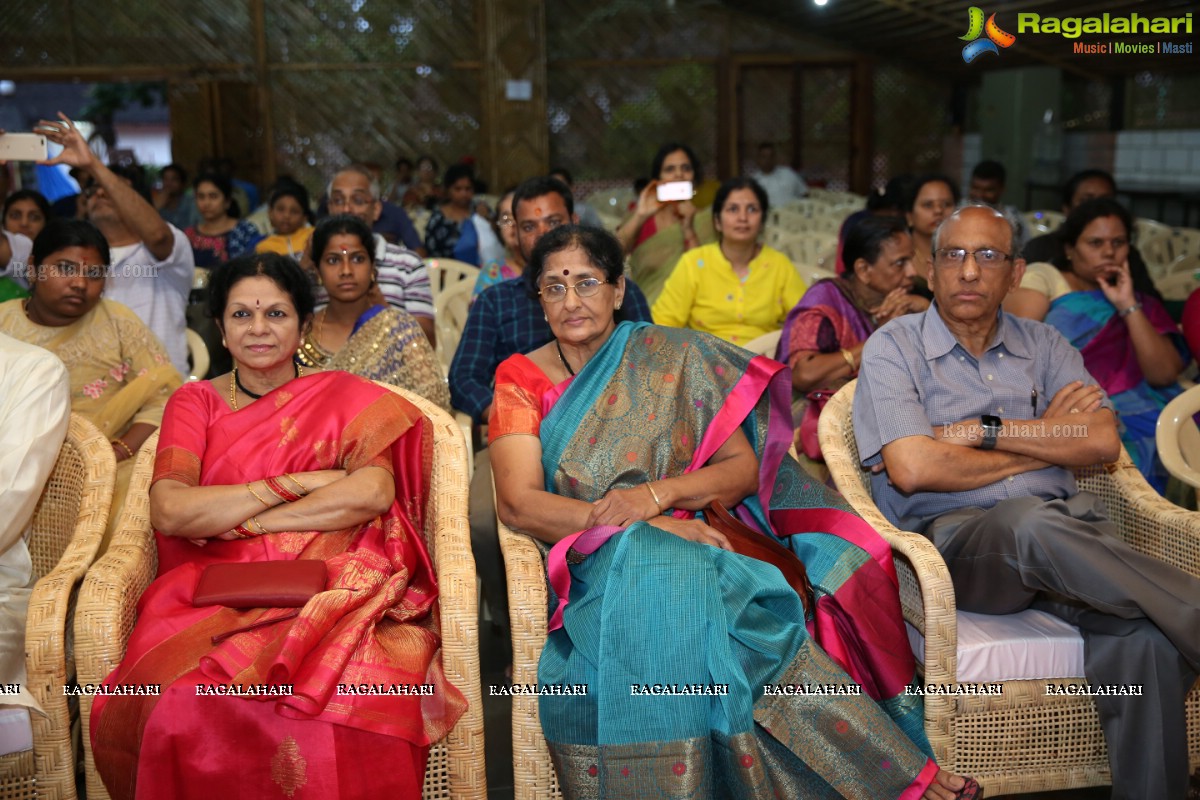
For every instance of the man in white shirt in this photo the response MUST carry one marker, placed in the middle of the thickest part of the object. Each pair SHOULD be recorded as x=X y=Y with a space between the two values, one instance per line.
x=783 y=184
x=35 y=406
x=152 y=262
x=14 y=253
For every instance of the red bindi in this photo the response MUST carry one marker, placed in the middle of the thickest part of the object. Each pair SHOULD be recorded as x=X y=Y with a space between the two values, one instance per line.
x=566 y=272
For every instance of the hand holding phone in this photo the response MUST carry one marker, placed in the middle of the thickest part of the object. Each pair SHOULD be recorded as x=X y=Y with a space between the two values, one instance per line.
x=22 y=147
x=674 y=191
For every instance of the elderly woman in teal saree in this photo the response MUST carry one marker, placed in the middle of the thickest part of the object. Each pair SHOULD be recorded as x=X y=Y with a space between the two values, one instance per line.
x=688 y=649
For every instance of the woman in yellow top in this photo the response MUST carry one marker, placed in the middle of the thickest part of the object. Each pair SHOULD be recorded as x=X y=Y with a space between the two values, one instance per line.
x=120 y=374
x=736 y=288
x=290 y=219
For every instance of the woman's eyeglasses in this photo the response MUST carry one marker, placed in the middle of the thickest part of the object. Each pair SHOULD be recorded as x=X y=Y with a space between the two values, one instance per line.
x=557 y=292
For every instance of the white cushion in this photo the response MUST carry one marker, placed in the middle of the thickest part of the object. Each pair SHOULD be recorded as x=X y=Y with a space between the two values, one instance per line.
x=16 y=734
x=1029 y=645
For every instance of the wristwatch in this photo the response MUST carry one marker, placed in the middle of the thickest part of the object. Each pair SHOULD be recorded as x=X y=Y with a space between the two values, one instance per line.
x=991 y=430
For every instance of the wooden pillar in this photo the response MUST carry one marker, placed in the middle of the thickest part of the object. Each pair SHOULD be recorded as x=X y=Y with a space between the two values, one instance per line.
x=266 y=117
x=862 y=120
x=514 y=133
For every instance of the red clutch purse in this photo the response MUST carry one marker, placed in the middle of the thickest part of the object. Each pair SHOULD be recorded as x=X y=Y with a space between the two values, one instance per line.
x=263 y=584
x=748 y=542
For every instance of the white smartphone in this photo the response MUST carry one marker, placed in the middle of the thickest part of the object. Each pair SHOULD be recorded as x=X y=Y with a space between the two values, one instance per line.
x=674 y=190
x=23 y=147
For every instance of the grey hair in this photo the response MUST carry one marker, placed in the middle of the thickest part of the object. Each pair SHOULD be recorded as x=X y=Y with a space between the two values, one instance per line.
x=1012 y=228
x=360 y=170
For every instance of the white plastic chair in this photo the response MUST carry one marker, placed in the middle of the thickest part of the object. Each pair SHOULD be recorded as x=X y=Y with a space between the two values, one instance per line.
x=1039 y=222
x=446 y=272
x=197 y=355
x=764 y=345
x=1178 y=438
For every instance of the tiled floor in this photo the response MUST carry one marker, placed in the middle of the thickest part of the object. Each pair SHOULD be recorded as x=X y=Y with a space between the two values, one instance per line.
x=495 y=654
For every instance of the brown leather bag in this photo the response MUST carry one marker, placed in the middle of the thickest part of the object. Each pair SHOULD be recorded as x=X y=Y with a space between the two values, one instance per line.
x=260 y=584
x=748 y=542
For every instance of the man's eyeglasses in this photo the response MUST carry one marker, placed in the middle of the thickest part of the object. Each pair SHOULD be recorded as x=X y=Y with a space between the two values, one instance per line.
x=957 y=256
x=354 y=200
x=557 y=292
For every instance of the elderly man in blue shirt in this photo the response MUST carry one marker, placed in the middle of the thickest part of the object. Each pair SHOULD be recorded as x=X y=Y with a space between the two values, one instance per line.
x=970 y=420
x=504 y=320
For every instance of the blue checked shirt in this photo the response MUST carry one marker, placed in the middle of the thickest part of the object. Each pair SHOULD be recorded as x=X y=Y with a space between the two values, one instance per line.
x=915 y=375
x=504 y=320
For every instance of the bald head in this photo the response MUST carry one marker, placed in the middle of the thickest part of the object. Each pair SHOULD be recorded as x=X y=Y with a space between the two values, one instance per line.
x=980 y=212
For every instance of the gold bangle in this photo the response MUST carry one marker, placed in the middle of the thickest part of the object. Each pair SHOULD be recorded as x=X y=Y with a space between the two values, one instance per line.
x=292 y=478
x=267 y=484
x=654 y=494
x=846 y=354
x=259 y=497
x=261 y=530
x=121 y=442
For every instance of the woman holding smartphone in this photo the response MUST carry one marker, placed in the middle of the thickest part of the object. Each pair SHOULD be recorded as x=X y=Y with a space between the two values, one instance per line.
x=664 y=223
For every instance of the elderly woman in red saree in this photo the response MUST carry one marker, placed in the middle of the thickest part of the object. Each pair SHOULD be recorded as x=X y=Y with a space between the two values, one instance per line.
x=259 y=466
x=823 y=336
x=605 y=443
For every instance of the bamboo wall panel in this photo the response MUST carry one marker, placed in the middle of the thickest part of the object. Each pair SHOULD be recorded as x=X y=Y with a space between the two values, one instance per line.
x=610 y=122
x=329 y=118
x=318 y=31
x=911 y=123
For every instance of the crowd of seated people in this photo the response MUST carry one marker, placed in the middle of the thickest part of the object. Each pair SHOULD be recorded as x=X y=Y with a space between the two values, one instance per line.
x=621 y=407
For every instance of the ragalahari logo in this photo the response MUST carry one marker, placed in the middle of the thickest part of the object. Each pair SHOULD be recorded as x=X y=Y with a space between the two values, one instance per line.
x=976 y=28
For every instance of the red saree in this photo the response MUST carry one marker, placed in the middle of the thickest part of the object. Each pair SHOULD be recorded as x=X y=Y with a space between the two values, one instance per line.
x=375 y=624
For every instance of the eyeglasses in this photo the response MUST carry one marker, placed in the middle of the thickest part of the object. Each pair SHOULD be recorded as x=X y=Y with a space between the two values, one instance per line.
x=557 y=292
x=90 y=190
x=355 y=200
x=505 y=221
x=957 y=256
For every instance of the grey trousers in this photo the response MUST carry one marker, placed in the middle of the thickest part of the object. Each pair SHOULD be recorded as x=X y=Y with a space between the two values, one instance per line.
x=1139 y=617
x=485 y=539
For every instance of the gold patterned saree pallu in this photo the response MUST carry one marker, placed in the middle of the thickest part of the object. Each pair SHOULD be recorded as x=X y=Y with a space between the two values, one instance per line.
x=256 y=703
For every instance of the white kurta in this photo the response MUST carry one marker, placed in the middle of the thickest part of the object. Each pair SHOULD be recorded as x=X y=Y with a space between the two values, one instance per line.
x=35 y=407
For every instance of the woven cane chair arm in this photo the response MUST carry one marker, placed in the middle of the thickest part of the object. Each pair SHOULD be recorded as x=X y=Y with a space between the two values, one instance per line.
x=533 y=771
x=1147 y=521
x=926 y=592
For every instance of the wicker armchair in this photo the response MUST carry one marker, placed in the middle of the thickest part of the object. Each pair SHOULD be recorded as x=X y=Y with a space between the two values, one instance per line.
x=68 y=524
x=534 y=777
x=108 y=606
x=1022 y=740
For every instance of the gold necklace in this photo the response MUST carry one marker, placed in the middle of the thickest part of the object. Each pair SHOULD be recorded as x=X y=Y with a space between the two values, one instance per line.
x=233 y=385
